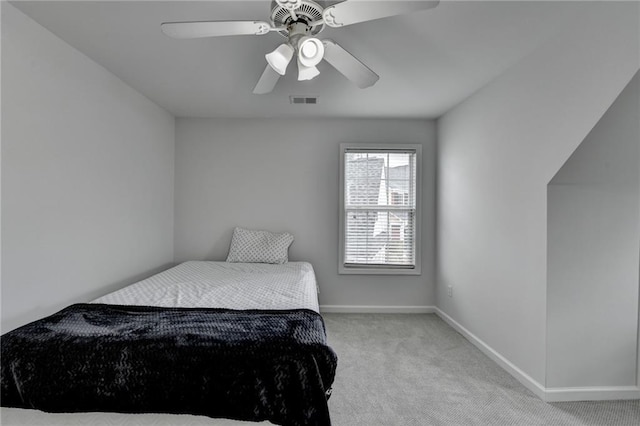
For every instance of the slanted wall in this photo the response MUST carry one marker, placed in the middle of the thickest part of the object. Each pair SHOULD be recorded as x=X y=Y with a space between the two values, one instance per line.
x=593 y=251
x=497 y=151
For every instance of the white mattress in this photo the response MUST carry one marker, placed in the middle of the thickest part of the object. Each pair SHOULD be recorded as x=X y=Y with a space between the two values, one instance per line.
x=224 y=285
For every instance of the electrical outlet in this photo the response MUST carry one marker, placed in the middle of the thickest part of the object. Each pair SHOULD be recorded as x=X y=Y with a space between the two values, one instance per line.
x=450 y=291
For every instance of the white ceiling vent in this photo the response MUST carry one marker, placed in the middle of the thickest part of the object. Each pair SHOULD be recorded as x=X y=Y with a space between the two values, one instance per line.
x=299 y=100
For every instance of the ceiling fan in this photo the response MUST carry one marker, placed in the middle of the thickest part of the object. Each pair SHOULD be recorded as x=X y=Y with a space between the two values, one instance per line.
x=299 y=21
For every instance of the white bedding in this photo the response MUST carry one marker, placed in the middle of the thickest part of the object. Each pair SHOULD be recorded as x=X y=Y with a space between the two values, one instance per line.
x=224 y=285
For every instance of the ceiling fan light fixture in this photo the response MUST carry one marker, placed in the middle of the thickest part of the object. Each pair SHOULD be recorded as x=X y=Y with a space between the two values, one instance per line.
x=305 y=72
x=310 y=51
x=300 y=21
x=279 y=59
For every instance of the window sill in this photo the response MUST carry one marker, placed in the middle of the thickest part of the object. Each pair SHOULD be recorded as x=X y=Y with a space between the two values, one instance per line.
x=345 y=270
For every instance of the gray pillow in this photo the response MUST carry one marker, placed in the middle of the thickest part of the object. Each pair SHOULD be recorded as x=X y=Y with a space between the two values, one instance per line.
x=250 y=246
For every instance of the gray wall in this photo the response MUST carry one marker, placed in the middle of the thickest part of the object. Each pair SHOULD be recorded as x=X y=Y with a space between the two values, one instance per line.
x=497 y=152
x=283 y=175
x=593 y=251
x=87 y=176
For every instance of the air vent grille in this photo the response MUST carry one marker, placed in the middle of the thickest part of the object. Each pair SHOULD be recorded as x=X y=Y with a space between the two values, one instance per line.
x=303 y=100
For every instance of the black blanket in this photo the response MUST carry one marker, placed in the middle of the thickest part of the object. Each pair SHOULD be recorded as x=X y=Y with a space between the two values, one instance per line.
x=247 y=365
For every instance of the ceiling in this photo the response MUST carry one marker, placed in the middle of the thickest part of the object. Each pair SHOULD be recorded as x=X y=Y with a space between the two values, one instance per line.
x=427 y=62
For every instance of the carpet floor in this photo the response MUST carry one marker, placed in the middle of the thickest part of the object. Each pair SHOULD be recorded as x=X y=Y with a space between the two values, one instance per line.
x=416 y=370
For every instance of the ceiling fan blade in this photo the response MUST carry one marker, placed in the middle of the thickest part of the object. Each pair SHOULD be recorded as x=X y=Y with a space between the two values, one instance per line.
x=353 y=11
x=349 y=65
x=214 y=28
x=267 y=81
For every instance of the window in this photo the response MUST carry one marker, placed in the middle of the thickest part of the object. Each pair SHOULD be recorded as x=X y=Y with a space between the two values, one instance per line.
x=379 y=209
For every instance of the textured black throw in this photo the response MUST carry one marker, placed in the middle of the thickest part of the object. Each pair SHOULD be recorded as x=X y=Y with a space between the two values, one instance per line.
x=248 y=365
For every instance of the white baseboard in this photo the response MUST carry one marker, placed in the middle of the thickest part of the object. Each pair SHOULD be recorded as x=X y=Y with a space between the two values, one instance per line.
x=364 y=309
x=595 y=393
x=520 y=375
x=603 y=393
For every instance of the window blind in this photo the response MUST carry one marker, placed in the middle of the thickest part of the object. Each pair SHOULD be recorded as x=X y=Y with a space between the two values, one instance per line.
x=379 y=208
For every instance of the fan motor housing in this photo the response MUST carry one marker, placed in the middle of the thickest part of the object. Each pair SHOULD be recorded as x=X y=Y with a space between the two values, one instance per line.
x=308 y=12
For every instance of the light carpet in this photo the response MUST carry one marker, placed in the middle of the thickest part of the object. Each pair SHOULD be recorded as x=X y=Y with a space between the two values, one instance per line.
x=396 y=369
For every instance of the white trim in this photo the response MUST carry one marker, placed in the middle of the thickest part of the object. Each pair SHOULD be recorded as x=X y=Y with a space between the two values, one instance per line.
x=520 y=375
x=595 y=393
x=638 y=334
x=363 y=270
x=364 y=309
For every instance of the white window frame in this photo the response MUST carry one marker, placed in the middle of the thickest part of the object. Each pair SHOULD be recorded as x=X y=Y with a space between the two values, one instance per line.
x=381 y=270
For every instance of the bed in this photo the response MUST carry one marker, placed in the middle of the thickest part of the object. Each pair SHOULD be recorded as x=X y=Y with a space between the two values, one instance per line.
x=241 y=341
